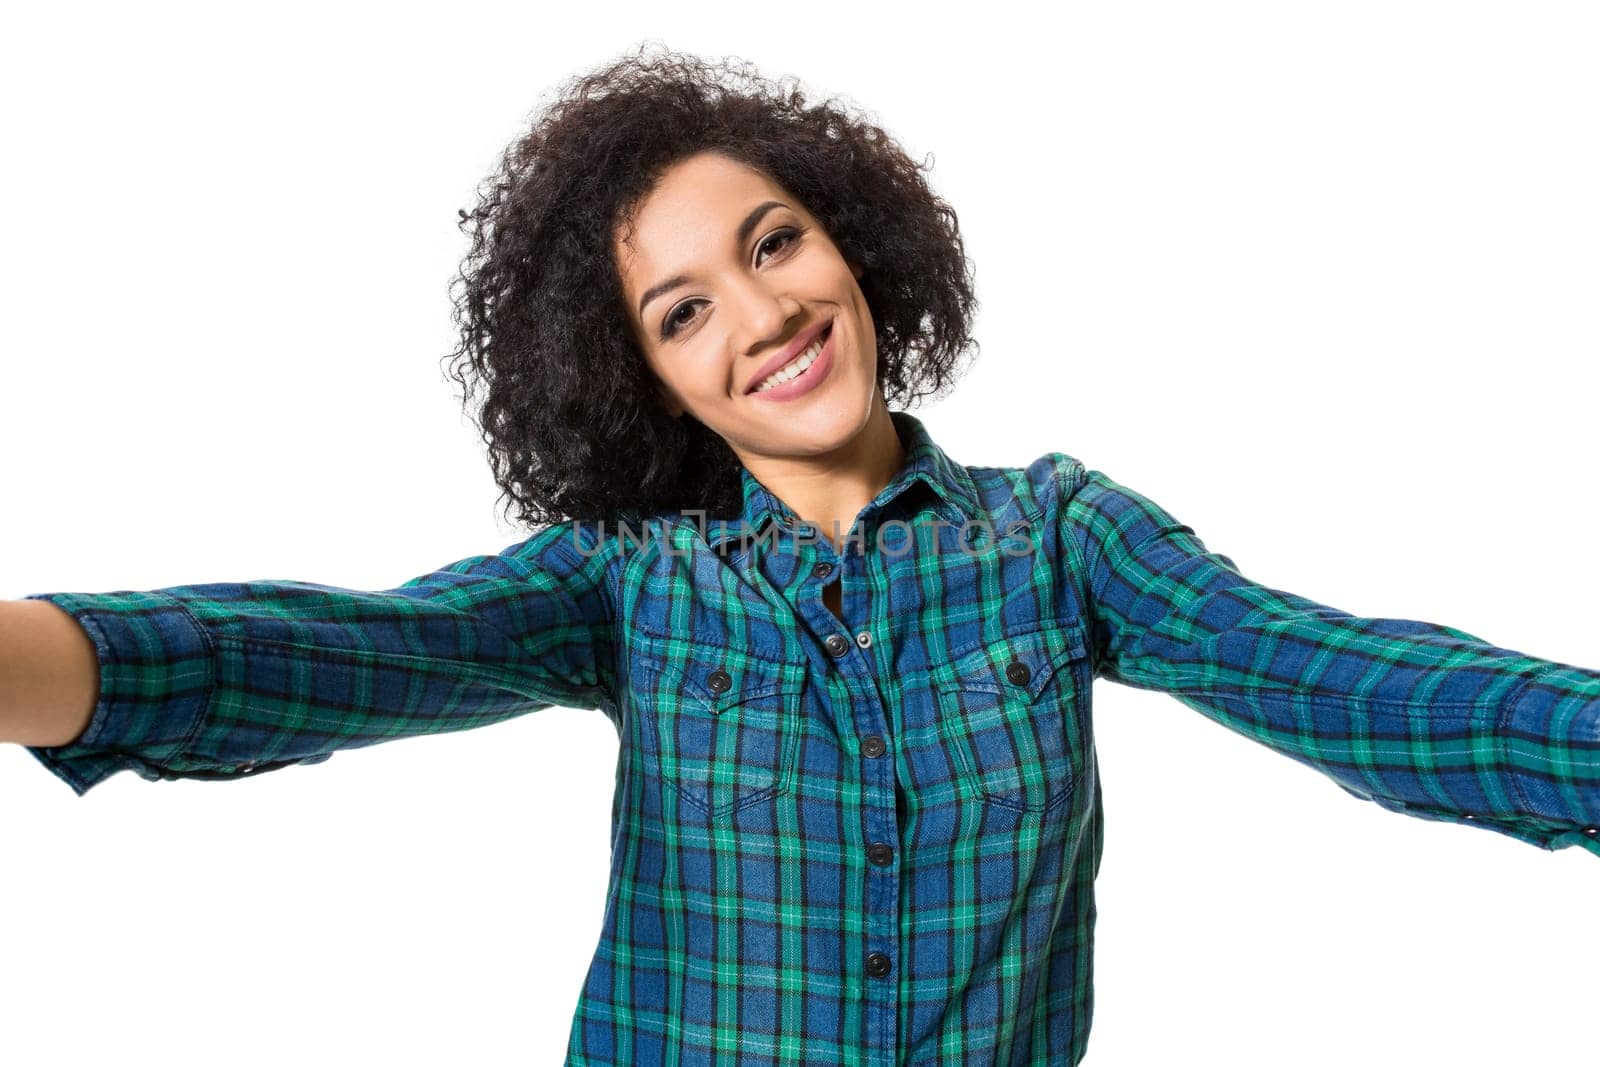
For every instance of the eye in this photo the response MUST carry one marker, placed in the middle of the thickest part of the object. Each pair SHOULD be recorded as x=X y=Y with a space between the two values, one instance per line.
x=786 y=237
x=674 y=321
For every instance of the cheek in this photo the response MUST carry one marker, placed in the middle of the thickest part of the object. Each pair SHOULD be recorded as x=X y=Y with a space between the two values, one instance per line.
x=865 y=333
x=694 y=378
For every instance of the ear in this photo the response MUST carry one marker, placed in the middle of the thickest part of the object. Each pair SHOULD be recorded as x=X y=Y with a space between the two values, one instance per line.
x=669 y=403
x=857 y=270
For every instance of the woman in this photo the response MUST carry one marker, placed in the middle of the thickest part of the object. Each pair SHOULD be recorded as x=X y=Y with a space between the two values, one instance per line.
x=857 y=809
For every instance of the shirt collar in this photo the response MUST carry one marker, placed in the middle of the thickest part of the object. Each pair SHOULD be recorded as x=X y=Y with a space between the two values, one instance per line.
x=925 y=463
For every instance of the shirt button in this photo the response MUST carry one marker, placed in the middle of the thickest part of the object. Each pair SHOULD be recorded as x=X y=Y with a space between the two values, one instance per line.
x=864 y=639
x=1017 y=671
x=877 y=964
x=719 y=681
x=821 y=570
x=880 y=853
x=872 y=747
x=836 y=645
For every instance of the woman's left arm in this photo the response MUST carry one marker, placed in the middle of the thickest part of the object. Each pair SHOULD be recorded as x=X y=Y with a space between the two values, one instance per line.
x=1419 y=718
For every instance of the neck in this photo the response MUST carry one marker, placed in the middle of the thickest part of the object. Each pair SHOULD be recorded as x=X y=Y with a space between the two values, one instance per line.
x=828 y=491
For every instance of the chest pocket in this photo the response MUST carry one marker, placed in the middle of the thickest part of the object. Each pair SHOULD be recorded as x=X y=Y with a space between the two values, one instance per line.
x=720 y=726
x=1012 y=714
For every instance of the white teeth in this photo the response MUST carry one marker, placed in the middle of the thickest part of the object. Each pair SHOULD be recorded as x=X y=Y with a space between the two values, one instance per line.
x=794 y=368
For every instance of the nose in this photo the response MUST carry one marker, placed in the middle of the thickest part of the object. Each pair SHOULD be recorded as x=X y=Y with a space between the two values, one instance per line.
x=762 y=313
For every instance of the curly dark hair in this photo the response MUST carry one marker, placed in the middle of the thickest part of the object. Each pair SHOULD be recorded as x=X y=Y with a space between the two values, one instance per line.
x=570 y=414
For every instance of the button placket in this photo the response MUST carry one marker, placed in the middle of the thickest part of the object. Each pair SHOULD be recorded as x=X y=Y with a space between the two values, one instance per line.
x=872 y=746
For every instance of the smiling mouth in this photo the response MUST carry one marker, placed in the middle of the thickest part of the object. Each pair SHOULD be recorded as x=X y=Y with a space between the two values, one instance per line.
x=798 y=365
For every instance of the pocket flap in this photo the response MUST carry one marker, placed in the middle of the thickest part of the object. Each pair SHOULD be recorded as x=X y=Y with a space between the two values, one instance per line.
x=988 y=668
x=717 y=676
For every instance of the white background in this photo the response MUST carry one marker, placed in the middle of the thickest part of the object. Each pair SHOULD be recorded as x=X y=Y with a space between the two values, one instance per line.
x=1321 y=279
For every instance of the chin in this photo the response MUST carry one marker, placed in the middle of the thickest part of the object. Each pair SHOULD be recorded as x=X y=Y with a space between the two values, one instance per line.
x=827 y=426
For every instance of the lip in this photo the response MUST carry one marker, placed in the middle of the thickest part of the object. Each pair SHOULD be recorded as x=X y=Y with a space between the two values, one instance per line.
x=795 y=347
x=811 y=378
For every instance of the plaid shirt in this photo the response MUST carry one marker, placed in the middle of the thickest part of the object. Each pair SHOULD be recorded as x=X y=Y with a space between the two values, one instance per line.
x=869 y=838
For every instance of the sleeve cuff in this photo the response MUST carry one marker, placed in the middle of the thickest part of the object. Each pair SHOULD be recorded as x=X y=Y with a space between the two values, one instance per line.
x=156 y=677
x=1552 y=750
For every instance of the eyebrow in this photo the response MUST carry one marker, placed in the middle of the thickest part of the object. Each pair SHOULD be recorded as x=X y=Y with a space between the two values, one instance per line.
x=742 y=235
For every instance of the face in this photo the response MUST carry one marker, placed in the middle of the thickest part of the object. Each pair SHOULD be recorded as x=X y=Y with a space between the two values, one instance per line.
x=734 y=275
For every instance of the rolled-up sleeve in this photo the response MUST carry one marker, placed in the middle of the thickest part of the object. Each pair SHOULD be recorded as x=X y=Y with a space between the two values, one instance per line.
x=1418 y=717
x=231 y=679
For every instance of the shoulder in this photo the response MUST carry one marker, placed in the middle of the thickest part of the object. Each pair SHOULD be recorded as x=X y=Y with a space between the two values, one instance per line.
x=1037 y=489
x=588 y=544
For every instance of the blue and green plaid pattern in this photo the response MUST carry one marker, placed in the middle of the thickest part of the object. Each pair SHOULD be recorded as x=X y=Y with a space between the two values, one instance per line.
x=860 y=840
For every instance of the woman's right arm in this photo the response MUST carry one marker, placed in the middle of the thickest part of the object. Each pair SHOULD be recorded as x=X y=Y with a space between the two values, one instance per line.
x=49 y=674
x=237 y=678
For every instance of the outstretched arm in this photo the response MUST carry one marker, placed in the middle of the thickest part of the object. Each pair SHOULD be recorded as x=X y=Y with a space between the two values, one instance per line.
x=1418 y=717
x=230 y=679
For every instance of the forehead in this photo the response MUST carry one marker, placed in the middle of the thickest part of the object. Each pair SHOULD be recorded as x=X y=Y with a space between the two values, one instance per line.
x=692 y=211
